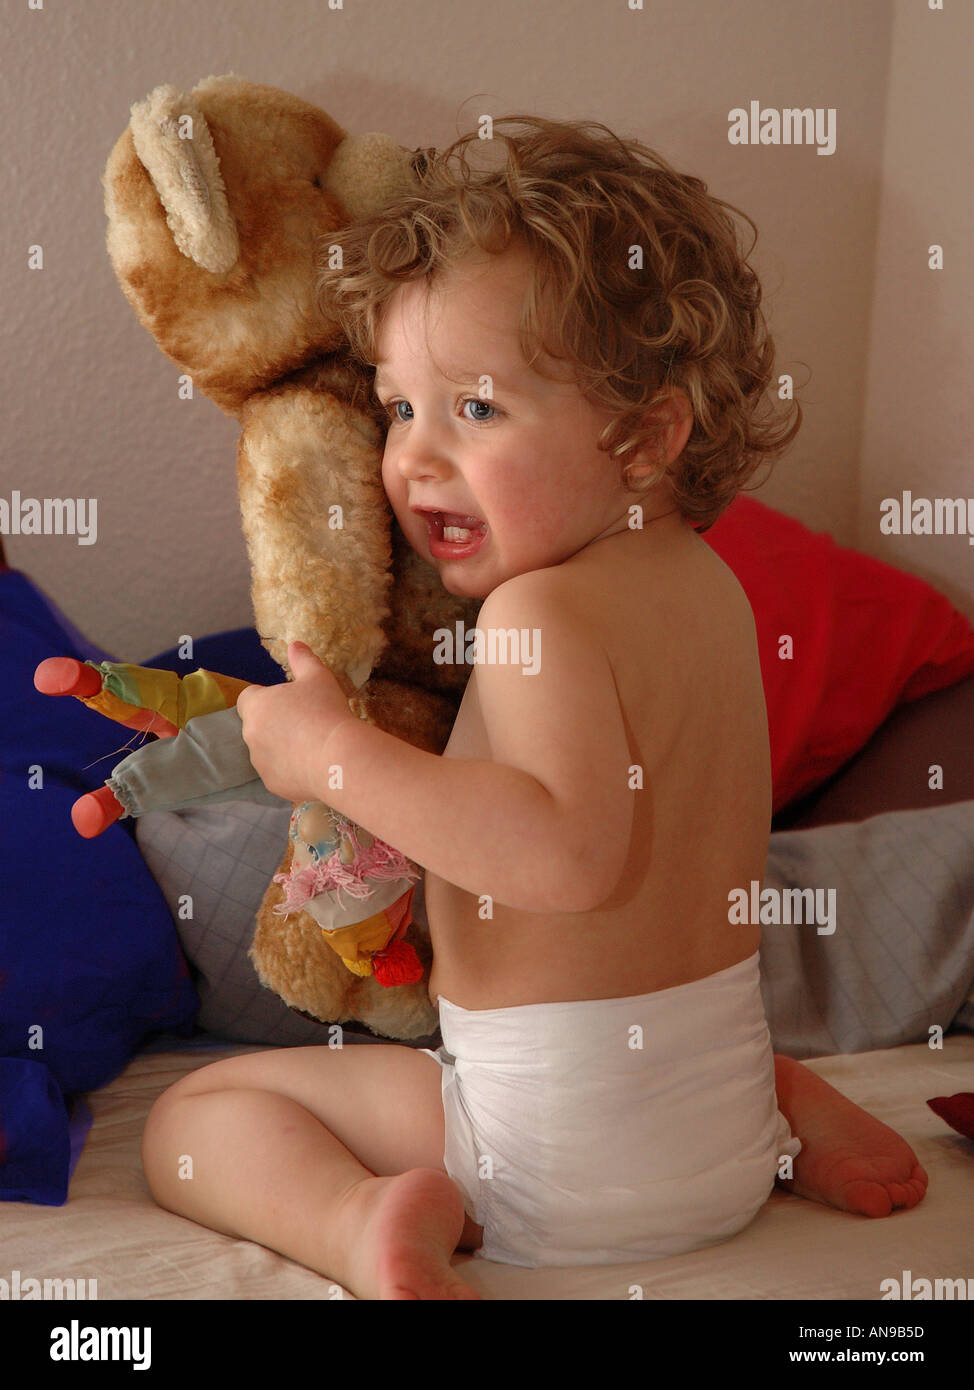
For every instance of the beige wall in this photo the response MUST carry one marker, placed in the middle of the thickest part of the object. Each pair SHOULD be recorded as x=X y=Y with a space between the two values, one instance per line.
x=91 y=405
x=918 y=432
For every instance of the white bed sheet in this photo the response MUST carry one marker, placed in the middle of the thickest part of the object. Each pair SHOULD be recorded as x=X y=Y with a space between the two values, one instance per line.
x=111 y=1230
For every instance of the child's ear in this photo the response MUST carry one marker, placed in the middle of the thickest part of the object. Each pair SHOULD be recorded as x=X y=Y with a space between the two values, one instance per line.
x=673 y=421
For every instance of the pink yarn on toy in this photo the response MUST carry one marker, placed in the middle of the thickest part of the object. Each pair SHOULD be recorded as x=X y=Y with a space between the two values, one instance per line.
x=379 y=861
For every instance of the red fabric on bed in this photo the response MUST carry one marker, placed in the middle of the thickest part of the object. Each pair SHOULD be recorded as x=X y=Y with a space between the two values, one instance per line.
x=957 y=1110
x=866 y=638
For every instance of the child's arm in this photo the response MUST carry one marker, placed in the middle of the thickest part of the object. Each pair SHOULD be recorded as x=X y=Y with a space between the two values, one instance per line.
x=544 y=825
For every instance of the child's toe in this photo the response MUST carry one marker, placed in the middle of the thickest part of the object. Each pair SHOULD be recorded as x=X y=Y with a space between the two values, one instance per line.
x=901 y=1194
x=869 y=1198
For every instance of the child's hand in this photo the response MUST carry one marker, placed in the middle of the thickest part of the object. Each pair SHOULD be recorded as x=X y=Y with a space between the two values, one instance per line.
x=286 y=727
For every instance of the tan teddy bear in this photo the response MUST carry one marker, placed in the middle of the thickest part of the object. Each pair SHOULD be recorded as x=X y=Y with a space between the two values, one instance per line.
x=216 y=200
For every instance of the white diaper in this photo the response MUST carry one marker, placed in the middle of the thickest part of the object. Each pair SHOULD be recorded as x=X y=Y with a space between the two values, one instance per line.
x=603 y=1131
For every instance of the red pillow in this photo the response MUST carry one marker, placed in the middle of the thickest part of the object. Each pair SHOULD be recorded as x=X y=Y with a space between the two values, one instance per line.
x=866 y=637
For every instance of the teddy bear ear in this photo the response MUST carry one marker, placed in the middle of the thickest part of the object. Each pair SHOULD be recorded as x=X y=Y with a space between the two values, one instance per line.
x=367 y=171
x=173 y=142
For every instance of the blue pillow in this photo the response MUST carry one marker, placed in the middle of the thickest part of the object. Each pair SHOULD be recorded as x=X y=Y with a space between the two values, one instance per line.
x=236 y=653
x=90 y=963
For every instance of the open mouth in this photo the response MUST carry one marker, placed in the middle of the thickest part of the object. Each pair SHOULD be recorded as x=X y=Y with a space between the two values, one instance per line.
x=452 y=526
x=452 y=535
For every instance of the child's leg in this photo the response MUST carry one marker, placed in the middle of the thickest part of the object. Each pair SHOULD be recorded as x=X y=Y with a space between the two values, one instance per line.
x=334 y=1157
x=849 y=1159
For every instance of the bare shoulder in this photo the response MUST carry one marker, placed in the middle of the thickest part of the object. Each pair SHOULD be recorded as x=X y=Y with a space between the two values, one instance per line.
x=522 y=593
x=675 y=589
x=715 y=583
x=540 y=604
x=559 y=600
x=629 y=595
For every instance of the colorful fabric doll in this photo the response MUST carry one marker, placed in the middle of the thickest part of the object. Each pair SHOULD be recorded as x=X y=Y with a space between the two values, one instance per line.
x=200 y=757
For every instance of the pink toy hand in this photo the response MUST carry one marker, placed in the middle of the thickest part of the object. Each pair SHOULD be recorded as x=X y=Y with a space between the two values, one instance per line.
x=144 y=698
x=63 y=675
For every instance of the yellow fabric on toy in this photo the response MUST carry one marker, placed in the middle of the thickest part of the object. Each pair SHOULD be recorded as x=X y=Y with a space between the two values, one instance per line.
x=178 y=699
x=355 y=944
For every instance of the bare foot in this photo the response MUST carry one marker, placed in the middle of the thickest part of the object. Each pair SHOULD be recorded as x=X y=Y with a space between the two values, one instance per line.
x=849 y=1159
x=399 y=1233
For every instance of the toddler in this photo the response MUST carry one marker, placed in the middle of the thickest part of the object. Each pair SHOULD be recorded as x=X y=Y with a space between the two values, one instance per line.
x=572 y=359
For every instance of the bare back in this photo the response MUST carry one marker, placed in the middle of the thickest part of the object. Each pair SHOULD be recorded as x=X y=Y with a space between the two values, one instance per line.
x=680 y=638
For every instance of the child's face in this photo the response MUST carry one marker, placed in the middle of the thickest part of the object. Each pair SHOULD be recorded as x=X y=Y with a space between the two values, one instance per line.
x=522 y=458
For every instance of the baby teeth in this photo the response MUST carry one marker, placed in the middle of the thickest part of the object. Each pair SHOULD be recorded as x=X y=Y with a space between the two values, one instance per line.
x=456 y=533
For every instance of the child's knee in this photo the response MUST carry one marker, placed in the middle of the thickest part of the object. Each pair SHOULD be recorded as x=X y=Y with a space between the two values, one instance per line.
x=160 y=1142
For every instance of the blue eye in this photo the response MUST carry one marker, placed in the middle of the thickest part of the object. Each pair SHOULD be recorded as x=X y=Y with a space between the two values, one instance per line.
x=478 y=400
x=392 y=410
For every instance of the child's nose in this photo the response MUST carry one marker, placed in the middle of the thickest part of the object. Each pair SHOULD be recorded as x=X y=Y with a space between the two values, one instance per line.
x=424 y=455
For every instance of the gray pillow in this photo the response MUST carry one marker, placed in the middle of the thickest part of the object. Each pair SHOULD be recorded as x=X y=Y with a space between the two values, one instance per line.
x=223 y=857
x=900 y=959
x=901 y=956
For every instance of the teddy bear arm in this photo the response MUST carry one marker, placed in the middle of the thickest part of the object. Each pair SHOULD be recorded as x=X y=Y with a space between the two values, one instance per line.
x=315 y=521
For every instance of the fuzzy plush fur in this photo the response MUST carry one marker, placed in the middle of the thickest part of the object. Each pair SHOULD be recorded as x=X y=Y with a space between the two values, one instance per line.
x=215 y=201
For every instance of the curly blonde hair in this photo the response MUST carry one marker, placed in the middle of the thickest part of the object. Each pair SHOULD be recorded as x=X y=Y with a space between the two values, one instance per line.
x=638 y=282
